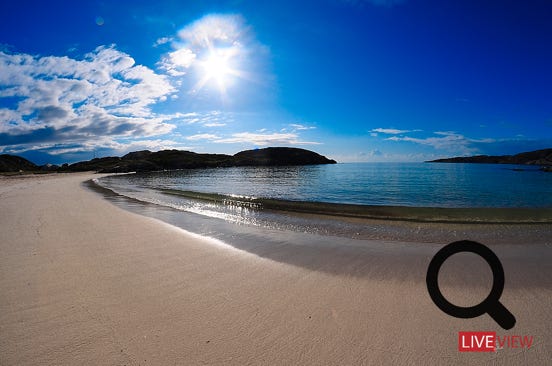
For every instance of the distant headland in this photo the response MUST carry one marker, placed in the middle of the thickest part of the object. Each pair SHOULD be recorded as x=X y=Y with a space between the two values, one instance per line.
x=145 y=160
x=537 y=157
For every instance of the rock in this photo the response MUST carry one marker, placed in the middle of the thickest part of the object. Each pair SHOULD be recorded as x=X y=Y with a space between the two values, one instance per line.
x=12 y=163
x=537 y=157
x=143 y=161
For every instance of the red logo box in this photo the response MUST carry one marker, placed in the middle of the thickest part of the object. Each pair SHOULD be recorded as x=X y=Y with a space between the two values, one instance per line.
x=476 y=341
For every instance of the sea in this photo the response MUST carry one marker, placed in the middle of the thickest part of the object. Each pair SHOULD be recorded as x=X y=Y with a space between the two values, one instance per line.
x=386 y=184
x=220 y=202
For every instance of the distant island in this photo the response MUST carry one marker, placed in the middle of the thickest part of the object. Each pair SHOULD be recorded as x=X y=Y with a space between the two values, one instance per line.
x=537 y=157
x=145 y=160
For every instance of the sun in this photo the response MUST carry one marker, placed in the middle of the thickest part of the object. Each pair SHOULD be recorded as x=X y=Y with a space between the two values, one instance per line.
x=217 y=67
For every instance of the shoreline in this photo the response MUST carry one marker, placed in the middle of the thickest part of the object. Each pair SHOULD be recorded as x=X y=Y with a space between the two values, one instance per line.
x=458 y=215
x=329 y=225
x=355 y=239
x=86 y=282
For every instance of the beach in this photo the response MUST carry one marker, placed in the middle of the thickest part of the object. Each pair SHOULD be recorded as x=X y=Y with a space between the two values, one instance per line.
x=83 y=281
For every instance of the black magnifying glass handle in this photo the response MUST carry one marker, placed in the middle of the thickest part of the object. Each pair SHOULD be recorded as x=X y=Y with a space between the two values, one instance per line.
x=502 y=316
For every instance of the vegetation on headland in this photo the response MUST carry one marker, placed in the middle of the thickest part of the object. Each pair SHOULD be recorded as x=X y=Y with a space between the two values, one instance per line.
x=537 y=157
x=145 y=160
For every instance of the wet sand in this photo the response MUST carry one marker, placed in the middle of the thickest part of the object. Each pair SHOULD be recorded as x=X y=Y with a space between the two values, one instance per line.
x=84 y=281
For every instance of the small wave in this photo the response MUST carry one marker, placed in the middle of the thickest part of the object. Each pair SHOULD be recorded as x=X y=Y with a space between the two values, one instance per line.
x=400 y=213
x=237 y=219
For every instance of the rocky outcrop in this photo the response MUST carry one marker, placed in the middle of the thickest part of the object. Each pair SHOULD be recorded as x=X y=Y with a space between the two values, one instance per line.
x=12 y=163
x=280 y=156
x=538 y=157
x=145 y=160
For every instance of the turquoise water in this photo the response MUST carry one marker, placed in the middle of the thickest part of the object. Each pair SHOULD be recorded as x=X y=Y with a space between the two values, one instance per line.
x=388 y=184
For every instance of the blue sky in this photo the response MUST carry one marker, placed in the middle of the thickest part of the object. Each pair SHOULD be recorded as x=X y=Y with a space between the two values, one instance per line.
x=356 y=80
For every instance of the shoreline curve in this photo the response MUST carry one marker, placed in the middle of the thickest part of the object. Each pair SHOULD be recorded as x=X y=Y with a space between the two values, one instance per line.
x=459 y=215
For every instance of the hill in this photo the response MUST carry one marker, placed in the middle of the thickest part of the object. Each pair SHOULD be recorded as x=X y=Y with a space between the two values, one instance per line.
x=145 y=160
x=537 y=157
x=12 y=163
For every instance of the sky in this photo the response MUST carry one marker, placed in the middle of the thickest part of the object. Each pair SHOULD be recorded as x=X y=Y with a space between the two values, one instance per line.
x=355 y=80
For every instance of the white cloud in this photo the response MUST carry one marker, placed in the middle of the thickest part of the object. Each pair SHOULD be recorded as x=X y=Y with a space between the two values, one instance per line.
x=162 y=40
x=214 y=124
x=207 y=119
x=65 y=100
x=215 y=52
x=263 y=139
x=225 y=32
x=450 y=140
x=115 y=147
x=202 y=136
x=389 y=131
x=175 y=63
x=446 y=133
x=300 y=127
x=213 y=29
x=147 y=144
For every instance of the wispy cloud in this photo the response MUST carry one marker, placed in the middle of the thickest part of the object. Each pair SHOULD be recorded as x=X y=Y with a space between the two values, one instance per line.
x=390 y=131
x=162 y=40
x=264 y=139
x=300 y=127
x=207 y=119
x=377 y=155
x=202 y=136
x=449 y=140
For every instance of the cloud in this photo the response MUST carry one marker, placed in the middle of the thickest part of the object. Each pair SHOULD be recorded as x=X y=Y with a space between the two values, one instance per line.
x=119 y=148
x=364 y=155
x=162 y=40
x=390 y=131
x=213 y=29
x=453 y=143
x=450 y=141
x=174 y=63
x=263 y=139
x=224 y=32
x=65 y=100
x=105 y=145
x=381 y=156
x=207 y=119
x=300 y=127
x=202 y=136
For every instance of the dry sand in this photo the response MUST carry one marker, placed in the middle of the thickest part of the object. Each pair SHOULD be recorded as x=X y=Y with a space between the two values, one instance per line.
x=85 y=282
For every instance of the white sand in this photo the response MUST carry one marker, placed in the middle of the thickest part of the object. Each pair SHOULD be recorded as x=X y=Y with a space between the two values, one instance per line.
x=85 y=282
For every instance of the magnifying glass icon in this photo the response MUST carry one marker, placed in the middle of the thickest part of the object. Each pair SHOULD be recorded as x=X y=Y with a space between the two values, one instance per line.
x=491 y=305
